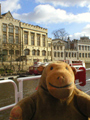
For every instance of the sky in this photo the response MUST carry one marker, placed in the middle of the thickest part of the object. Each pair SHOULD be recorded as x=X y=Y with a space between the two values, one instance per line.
x=72 y=15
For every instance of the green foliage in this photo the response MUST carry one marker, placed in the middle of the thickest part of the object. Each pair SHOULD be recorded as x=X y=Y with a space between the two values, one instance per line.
x=2 y=71
x=9 y=71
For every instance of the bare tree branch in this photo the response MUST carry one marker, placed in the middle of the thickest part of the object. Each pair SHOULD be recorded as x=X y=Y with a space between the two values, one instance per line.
x=60 y=34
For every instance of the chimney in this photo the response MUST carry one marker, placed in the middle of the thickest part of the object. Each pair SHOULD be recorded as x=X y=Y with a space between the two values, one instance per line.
x=0 y=9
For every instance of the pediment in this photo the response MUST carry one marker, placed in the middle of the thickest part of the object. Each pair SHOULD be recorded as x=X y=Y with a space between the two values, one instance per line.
x=8 y=15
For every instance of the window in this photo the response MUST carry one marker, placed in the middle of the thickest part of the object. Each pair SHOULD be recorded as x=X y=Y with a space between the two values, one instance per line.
x=11 y=39
x=82 y=47
x=4 y=38
x=11 y=28
x=88 y=47
x=43 y=53
x=58 y=54
x=16 y=30
x=54 y=47
x=38 y=52
x=89 y=55
x=61 y=47
x=4 y=28
x=43 y=38
x=25 y=37
x=26 y=51
x=69 y=54
x=54 y=54
x=79 y=54
x=66 y=54
x=79 y=47
x=5 y=52
x=74 y=54
x=83 y=55
x=61 y=54
x=38 y=40
x=17 y=52
x=11 y=52
x=33 y=52
x=32 y=38
x=17 y=39
x=85 y=47
x=57 y=47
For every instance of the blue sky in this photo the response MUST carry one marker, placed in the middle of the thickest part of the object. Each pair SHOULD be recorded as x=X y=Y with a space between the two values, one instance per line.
x=73 y=15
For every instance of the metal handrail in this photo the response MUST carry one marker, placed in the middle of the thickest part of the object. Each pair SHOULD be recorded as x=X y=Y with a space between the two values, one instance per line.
x=20 y=81
x=16 y=94
x=19 y=92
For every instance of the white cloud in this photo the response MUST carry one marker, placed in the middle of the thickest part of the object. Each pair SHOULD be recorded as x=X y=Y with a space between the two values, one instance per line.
x=67 y=3
x=85 y=32
x=10 y=5
x=48 y=14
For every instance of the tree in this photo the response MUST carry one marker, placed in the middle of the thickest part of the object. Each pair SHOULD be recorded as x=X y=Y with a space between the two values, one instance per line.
x=60 y=34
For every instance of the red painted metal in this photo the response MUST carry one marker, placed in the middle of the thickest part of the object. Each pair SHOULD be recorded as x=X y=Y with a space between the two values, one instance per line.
x=81 y=75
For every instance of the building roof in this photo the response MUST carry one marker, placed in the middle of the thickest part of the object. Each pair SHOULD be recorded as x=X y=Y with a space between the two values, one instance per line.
x=8 y=14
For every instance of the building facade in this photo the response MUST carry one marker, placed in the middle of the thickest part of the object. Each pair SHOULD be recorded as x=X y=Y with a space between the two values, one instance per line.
x=74 y=50
x=58 y=50
x=84 y=49
x=22 y=41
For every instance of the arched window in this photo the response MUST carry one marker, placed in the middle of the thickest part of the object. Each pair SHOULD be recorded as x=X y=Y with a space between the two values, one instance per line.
x=43 y=53
x=26 y=51
x=38 y=52
x=33 y=52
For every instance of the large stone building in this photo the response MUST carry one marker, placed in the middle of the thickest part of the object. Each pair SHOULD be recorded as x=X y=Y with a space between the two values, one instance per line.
x=84 y=49
x=20 y=40
x=58 y=49
x=74 y=50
